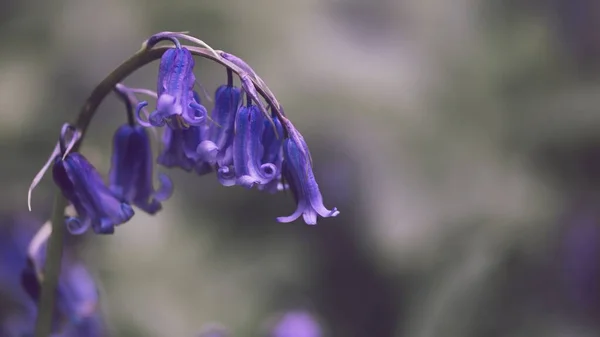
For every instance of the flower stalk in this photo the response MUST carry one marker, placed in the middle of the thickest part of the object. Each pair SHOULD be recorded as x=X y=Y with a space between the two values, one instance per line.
x=255 y=90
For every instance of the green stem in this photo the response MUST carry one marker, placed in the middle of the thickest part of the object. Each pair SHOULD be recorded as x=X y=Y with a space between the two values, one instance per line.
x=52 y=268
x=43 y=326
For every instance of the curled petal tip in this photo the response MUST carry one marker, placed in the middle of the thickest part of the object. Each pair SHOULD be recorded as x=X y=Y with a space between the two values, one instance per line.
x=138 y=110
x=165 y=189
x=269 y=170
x=247 y=181
x=226 y=176
x=75 y=226
x=334 y=212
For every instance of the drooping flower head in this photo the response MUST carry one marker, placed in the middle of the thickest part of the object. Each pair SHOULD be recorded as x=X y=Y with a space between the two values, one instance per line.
x=130 y=176
x=96 y=205
x=297 y=170
x=176 y=105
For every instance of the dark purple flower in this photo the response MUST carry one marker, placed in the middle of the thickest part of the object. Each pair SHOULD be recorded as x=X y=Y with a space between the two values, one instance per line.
x=176 y=105
x=297 y=170
x=180 y=145
x=130 y=174
x=248 y=149
x=296 y=324
x=96 y=205
x=177 y=143
x=272 y=141
x=214 y=149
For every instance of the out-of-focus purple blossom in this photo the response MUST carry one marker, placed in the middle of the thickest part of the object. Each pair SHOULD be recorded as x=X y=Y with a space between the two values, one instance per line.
x=131 y=170
x=16 y=308
x=297 y=171
x=22 y=257
x=96 y=205
x=77 y=311
x=296 y=324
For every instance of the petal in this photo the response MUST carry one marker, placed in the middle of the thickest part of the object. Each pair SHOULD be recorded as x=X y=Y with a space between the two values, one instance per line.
x=272 y=141
x=165 y=189
x=248 y=150
x=299 y=173
x=226 y=176
x=82 y=185
x=207 y=151
x=173 y=154
x=247 y=181
x=75 y=226
x=225 y=159
x=227 y=101
x=297 y=213
x=310 y=216
x=138 y=116
x=198 y=115
x=165 y=107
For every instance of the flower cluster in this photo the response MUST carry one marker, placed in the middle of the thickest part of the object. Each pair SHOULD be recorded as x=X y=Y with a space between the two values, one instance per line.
x=246 y=140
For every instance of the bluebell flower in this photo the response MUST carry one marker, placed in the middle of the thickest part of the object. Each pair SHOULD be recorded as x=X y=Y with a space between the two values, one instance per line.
x=96 y=205
x=272 y=141
x=216 y=148
x=176 y=105
x=130 y=173
x=179 y=148
x=248 y=149
x=297 y=171
x=296 y=324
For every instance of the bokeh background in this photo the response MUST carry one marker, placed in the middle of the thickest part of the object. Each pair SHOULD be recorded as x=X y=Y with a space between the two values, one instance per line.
x=460 y=140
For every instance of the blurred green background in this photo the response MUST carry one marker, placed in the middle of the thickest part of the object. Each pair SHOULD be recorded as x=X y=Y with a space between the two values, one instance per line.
x=459 y=139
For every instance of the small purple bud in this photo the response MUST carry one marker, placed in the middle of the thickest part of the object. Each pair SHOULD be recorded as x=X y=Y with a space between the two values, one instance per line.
x=77 y=299
x=131 y=169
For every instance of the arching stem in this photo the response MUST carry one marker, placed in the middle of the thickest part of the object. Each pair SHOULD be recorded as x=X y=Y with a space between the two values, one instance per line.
x=52 y=266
